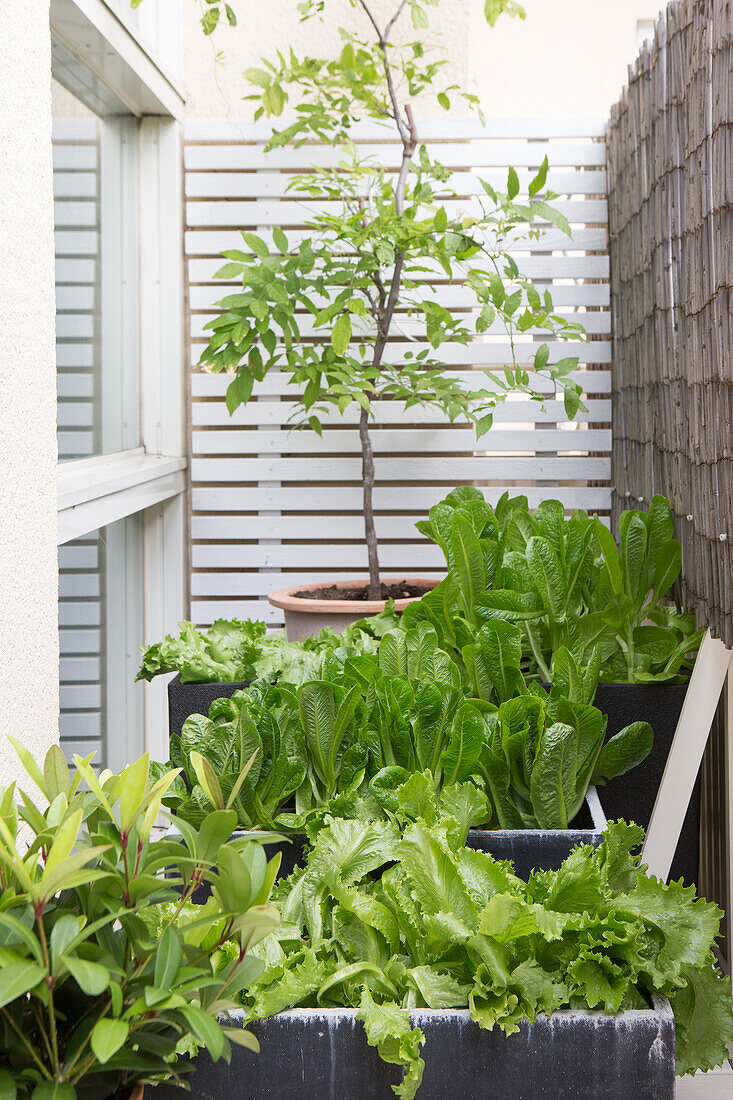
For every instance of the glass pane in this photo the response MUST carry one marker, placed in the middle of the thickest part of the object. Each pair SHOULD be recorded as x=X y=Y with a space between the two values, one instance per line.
x=100 y=632
x=97 y=264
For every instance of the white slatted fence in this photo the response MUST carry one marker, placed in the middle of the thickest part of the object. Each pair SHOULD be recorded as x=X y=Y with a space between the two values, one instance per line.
x=76 y=177
x=273 y=507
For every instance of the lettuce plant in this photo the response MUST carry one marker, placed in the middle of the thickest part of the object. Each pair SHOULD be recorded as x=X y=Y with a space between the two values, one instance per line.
x=535 y=753
x=386 y=917
x=234 y=651
x=266 y=750
x=372 y=721
x=92 y=1001
x=565 y=582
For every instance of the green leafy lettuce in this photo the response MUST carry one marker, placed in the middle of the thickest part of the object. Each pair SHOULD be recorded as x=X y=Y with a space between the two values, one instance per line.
x=565 y=582
x=234 y=651
x=388 y=917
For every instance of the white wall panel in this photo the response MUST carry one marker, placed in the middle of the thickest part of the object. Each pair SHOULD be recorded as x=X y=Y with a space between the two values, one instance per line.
x=272 y=506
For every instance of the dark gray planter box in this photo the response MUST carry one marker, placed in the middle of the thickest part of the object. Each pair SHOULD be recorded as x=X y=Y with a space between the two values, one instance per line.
x=528 y=849
x=187 y=699
x=532 y=849
x=632 y=796
x=322 y=1054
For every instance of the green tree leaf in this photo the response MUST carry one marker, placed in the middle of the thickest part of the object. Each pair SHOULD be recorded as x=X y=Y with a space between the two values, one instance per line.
x=107 y=1037
x=341 y=334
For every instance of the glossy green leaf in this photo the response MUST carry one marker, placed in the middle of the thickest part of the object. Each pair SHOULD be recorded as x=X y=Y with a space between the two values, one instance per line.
x=107 y=1037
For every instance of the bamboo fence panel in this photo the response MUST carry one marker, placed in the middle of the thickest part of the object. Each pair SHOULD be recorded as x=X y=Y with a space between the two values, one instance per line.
x=670 y=163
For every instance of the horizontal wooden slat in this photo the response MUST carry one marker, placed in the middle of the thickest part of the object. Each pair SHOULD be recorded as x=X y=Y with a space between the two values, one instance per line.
x=80 y=696
x=260 y=212
x=76 y=727
x=385 y=441
x=266 y=184
x=75 y=270
x=477 y=155
x=301 y=530
x=214 y=413
x=205 y=612
x=478 y=353
x=593 y=323
x=203 y=242
x=76 y=298
x=75 y=415
x=79 y=669
x=74 y=326
x=74 y=157
x=76 y=242
x=79 y=641
x=76 y=130
x=259 y=584
x=401 y=469
x=72 y=385
x=527 y=127
x=452 y=297
x=423 y=556
x=533 y=267
x=70 y=212
x=79 y=355
x=76 y=185
x=232 y=498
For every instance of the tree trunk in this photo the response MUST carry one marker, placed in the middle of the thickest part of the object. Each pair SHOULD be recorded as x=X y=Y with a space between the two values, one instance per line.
x=367 y=473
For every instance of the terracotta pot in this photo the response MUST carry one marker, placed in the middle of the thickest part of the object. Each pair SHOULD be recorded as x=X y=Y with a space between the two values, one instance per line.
x=304 y=617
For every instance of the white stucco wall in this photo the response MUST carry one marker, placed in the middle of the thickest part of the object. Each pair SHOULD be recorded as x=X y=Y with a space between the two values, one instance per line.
x=28 y=568
x=567 y=57
x=215 y=89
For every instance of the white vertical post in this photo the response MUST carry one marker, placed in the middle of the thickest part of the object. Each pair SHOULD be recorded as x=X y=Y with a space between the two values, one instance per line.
x=685 y=755
x=164 y=395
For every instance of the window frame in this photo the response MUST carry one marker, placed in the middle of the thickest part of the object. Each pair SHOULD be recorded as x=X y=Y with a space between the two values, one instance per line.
x=119 y=76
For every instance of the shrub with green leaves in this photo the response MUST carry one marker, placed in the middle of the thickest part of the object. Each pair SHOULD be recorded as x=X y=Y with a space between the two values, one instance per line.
x=387 y=917
x=366 y=272
x=234 y=651
x=99 y=984
x=565 y=582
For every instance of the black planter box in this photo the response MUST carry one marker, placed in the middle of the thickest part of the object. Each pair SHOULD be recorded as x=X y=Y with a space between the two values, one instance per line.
x=187 y=699
x=532 y=849
x=632 y=796
x=322 y=1054
x=528 y=849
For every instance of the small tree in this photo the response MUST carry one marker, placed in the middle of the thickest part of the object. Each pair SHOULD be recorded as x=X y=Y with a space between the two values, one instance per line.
x=371 y=264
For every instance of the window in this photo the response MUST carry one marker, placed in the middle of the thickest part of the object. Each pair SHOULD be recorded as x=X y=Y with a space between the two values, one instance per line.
x=117 y=198
x=96 y=173
x=100 y=615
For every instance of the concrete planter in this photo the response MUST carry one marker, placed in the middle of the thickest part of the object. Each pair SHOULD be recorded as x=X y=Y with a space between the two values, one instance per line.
x=632 y=796
x=322 y=1054
x=187 y=699
x=304 y=617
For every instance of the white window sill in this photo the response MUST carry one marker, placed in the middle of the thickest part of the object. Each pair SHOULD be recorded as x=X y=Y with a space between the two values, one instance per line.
x=93 y=492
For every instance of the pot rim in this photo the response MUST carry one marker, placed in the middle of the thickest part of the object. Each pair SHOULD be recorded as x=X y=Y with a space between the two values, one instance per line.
x=288 y=599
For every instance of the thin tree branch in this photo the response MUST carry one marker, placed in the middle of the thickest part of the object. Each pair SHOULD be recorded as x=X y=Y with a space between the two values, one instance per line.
x=402 y=126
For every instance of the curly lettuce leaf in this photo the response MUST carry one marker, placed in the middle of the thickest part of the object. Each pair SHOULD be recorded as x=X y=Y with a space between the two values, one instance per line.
x=703 y=1014
x=388 y=1029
